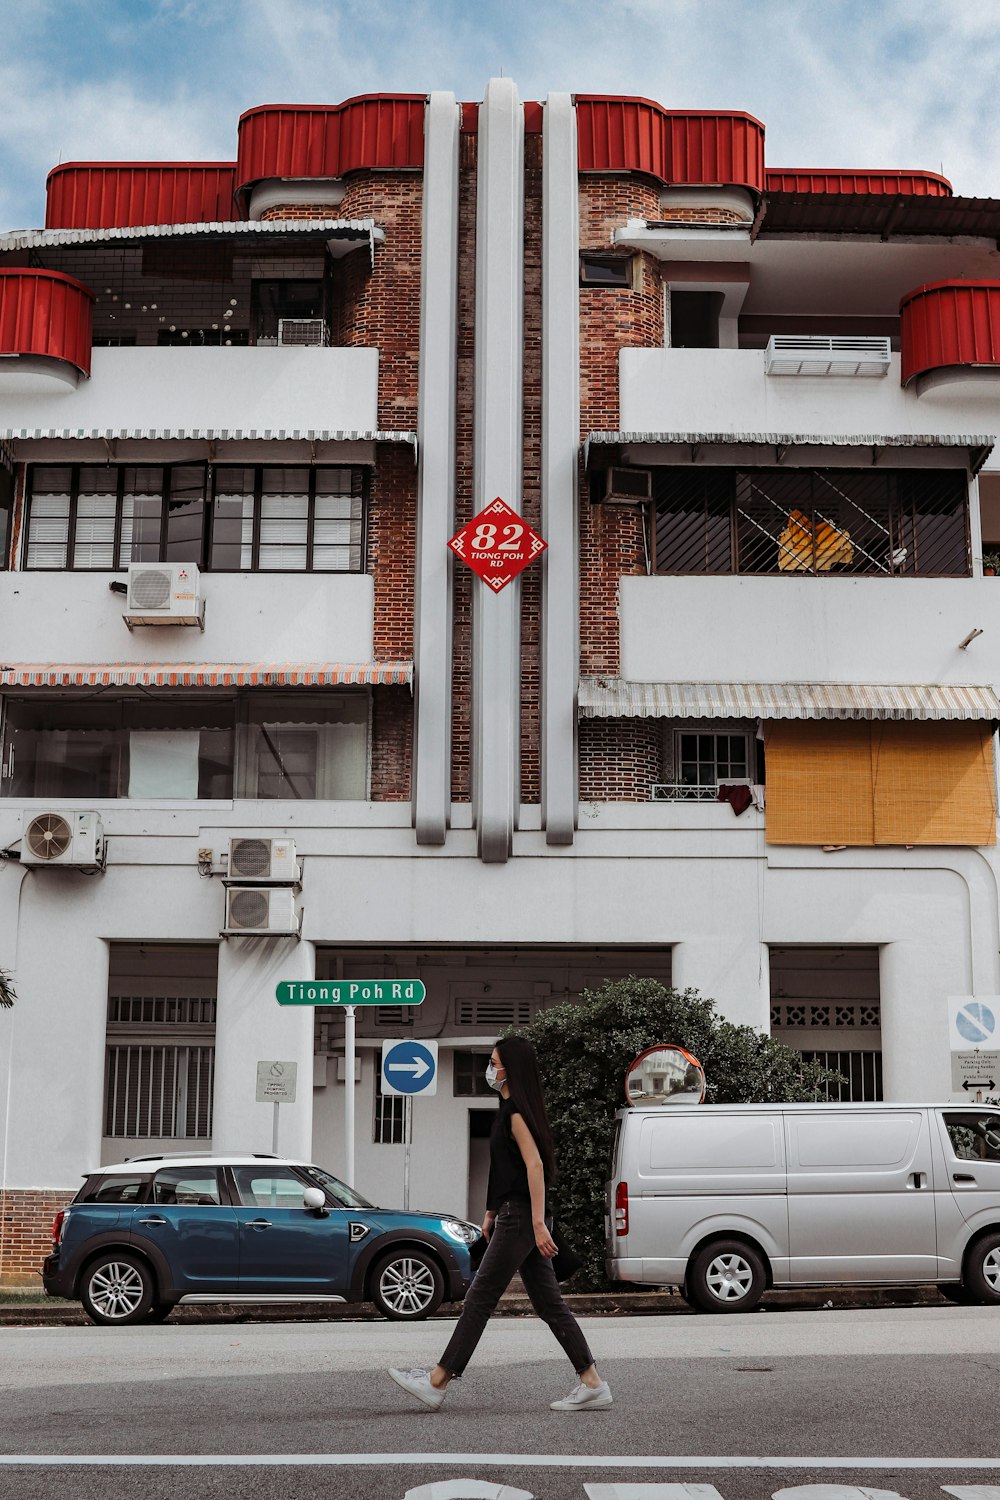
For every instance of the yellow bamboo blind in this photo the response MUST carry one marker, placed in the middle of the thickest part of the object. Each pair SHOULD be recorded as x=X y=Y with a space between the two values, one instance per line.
x=880 y=783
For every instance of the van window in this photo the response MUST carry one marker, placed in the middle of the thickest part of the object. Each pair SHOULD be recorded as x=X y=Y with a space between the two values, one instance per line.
x=864 y=1141
x=701 y=1141
x=974 y=1136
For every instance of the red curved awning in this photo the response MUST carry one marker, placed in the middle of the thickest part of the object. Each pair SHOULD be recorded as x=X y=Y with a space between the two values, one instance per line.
x=327 y=140
x=949 y=323
x=128 y=194
x=683 y=147
x=46 y=313
x=807 y=180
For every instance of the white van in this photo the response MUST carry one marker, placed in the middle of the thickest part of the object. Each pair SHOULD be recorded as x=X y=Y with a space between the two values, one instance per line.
x=725 y=1201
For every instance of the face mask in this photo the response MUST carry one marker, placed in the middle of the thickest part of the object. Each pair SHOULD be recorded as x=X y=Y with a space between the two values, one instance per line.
x=492 y=1079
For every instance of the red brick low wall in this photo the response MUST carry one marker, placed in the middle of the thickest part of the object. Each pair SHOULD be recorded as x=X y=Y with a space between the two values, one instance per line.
x=26 y=1216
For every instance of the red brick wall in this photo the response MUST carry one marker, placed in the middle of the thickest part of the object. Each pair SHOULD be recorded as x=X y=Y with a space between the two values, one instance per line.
x=530 y=501
x=465 y=581
x=380 y=307
x=611 y=318
x=26 y=1232
x=392 y=744
x=619 y=759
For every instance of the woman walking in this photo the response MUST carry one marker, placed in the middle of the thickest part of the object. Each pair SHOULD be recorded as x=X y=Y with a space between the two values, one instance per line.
x=518 y=1230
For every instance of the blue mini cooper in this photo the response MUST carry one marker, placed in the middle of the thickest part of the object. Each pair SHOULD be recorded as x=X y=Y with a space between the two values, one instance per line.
x=143 y=1236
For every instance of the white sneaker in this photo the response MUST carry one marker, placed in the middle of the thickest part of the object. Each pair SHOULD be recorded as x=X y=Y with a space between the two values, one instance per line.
x=583 y=1398
x=418 y=1383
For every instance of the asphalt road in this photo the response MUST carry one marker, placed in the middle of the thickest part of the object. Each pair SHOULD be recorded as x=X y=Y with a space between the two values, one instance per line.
x=899 y=1400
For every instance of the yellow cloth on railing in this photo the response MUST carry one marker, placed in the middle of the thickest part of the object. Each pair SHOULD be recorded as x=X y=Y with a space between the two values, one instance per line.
x=812 y=546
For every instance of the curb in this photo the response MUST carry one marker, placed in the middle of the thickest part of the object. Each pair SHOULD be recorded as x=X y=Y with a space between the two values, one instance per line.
x=55 y=1313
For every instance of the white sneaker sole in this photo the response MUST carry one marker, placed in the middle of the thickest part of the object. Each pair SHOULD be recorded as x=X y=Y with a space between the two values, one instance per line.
x=600 y=1404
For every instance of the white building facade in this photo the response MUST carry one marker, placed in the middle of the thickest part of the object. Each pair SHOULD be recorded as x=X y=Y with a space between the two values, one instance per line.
x=754 y=423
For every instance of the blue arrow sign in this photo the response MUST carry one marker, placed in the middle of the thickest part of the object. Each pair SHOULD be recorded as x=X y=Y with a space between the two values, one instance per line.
x=409 y=1067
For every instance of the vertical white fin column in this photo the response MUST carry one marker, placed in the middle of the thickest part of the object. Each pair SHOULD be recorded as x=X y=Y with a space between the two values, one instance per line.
x=436 y=480
x=560 y=467
x=496 y=618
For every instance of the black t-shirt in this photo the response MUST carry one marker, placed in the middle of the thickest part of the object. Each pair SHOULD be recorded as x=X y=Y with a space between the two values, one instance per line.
x=508 y=1174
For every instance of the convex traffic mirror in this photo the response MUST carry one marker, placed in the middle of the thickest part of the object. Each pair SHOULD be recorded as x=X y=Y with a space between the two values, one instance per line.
x=665 y=1074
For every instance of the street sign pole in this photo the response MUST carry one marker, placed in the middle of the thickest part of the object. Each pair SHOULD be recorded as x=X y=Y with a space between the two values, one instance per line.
x=349 y=1093
x=407 y=1139
x=274 y=1129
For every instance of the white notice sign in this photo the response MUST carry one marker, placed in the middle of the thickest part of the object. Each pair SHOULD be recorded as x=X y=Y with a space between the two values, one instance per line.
x=276 y=1082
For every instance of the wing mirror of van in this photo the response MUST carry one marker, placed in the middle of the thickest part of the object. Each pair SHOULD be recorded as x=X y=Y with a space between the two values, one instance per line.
x=315 y=1199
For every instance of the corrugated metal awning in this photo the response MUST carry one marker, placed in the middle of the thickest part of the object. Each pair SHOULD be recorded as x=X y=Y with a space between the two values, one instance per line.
x=979 y=445
x=889 y=215
x=204 y=674
x=211 y=434
x=322 y=229
x=612 y=698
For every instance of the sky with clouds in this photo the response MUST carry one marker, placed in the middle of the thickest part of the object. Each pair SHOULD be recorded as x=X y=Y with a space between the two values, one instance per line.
x=837 y=83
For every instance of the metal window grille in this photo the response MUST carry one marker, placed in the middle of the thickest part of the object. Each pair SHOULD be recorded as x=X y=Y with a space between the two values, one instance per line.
x=160 y=1011
x=159 y=1090
x=491 y=1014
x=389 y=1117
x=894 y=523
x=861 y=1071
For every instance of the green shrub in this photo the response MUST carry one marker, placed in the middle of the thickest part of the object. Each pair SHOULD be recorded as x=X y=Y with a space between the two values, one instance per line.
x=584 y=1051
x=7 y=995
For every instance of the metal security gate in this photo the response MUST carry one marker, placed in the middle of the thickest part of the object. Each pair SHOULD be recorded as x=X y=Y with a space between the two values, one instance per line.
x=825 y=1004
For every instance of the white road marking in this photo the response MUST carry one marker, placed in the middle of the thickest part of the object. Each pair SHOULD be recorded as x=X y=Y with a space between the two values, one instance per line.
x=484 y=1460
x=973 y=1491
x=651 y=1492
x=466 y=1489
x=834 y=1492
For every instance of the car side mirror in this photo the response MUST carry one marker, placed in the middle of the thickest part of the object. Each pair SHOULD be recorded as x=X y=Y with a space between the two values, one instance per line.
x=315 y=1199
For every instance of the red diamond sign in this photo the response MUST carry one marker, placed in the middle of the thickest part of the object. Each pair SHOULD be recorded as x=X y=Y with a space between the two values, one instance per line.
x=497 y=544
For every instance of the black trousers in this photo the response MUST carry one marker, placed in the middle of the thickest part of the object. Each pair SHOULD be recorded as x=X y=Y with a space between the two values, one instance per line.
x=512 y=1248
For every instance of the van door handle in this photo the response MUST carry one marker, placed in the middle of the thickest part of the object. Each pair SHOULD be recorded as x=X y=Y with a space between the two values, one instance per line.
x=152 y=1221
x=918 y=1179
x=962 y=1177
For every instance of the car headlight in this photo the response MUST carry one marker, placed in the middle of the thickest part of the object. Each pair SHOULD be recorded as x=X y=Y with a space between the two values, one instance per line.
x=465 y=1234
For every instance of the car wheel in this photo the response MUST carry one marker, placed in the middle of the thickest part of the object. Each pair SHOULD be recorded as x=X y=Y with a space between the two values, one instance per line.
x=117 y=1289
x=407 y=1284
x=982 y=1269
x=726 y=1276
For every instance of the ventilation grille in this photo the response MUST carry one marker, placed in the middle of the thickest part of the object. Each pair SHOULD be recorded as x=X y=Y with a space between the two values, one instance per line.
x=827 y=1017
x=312 y=331
x=249 y=910
x=816 y=354
x=150 y=589
x=250 y=857
x=492 y=1014
x=48 y=836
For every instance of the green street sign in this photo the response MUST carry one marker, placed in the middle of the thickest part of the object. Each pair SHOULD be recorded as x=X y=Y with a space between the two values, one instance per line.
x=351 y=992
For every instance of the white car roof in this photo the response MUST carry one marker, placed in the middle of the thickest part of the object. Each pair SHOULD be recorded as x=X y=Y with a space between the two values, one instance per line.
x=154 y=1163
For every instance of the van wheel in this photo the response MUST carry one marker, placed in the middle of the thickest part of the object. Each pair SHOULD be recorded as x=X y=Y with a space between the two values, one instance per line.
x=982 y=1269
x=726 y=1276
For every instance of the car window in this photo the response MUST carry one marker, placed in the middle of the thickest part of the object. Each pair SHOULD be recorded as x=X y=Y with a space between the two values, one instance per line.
x=344 y=1195
x=189 y=1186
x=974 y=1135
x=116 y=1190
x=268 y=1187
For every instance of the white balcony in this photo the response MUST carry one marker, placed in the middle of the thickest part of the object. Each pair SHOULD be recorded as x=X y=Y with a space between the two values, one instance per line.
x=799 y=629
x=728 y=391
x=213 y=392
x=256 y=618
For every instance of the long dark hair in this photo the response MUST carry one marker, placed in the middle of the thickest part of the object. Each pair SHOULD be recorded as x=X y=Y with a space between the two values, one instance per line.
x=524 y=1082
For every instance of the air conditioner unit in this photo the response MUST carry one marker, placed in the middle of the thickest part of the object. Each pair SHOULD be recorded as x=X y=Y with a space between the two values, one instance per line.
x=260 y=909
x=622 y=487
x=312 y=332
x=164 y=594
x=269 y=861
x=816 y=354
x=74 y=839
